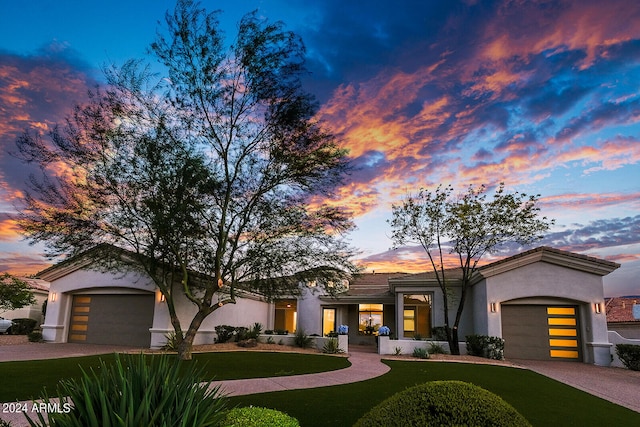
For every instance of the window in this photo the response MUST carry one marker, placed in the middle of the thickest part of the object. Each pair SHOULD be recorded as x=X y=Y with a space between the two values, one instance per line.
x=370 y=318
x=286 y=315
x=409 y=320
x=328 y=320
x=417 y=316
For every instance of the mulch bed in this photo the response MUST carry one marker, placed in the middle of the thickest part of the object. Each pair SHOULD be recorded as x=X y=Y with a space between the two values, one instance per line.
x=14 y=340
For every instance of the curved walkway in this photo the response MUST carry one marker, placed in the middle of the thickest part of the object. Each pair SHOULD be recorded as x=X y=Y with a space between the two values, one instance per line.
x=364 y=366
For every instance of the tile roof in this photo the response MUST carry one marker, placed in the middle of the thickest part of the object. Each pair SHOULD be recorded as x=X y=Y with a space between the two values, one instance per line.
x=621 y=309
x=371 y=284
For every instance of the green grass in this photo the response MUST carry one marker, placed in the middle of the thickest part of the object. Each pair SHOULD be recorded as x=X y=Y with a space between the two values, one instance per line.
x=543 y=401
x=26 y=380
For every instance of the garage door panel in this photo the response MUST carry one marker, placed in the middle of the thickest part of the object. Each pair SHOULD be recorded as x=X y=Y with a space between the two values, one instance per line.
x=540 y=332
x=112 y=319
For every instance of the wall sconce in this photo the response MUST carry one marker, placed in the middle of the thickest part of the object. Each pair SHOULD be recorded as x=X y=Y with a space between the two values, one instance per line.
x=54 y=296
x=162 y=298
x=597 y=307
x=493 y=307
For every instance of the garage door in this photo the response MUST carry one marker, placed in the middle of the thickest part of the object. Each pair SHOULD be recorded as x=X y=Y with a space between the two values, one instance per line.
x=112 y=319
x=541 y=332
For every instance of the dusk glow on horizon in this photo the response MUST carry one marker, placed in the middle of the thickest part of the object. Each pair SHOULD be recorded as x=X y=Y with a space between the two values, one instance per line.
x=541 y=95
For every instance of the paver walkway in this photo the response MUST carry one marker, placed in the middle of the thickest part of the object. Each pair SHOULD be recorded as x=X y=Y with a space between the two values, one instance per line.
x=364 y=366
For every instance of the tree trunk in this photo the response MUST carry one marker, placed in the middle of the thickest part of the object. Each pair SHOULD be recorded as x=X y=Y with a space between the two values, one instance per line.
x=186 y=346
x=454 y=346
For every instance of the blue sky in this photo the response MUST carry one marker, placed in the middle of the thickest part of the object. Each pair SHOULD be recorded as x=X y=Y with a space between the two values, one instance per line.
x=541 y=95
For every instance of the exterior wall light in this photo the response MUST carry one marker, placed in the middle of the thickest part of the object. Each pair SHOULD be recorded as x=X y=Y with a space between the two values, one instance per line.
x=494 y=307
x=162 y=298
x=597 y=307
x=54 y=297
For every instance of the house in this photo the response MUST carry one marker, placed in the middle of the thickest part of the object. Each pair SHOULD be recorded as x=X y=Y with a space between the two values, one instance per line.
x=40 y=290
x=90 y=305
x=546 y=304
x=623 y=316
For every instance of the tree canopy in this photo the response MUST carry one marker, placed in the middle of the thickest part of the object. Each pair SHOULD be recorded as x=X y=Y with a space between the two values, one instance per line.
x=467 y=225
x=205 y=173
x=14 y=293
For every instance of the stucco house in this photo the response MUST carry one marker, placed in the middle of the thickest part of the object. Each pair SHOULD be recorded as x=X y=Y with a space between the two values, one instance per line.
x=546 y=304
x=89 y=305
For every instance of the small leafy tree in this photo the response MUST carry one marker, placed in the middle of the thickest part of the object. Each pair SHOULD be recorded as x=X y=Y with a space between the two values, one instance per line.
x=203 y=175
x=14 y=293
x=468 y=226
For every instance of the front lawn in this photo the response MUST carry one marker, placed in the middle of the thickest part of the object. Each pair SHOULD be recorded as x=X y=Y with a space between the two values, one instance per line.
x=543 y=401
x=26 y=380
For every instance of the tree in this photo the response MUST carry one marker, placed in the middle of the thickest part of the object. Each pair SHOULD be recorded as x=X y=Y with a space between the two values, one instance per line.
x=14 y=293
x=203 y=175
x=469 y=226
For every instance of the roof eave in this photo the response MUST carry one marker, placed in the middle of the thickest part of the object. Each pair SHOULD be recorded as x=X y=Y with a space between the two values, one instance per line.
x=557 y=257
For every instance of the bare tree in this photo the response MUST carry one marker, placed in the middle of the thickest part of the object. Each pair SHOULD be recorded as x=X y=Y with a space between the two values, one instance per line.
x=469 y=226
x=203 y=174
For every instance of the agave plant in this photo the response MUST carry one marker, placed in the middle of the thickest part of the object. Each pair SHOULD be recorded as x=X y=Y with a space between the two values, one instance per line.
x=137 y=391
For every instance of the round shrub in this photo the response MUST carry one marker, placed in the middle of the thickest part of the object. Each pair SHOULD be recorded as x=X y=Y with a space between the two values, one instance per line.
x=258 y=417
x=443 y=403
x=35 y=336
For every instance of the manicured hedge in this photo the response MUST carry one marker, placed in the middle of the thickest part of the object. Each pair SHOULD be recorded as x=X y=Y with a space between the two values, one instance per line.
x=439 y=403
x=629 y=355
x=258 y=417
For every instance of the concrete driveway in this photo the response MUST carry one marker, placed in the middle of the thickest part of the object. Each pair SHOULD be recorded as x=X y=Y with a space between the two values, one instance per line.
x=41 y=351
x=617 y=385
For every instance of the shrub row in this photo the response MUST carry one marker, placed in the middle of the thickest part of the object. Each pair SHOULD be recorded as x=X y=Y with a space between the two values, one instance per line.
x=485 y=346
x=226 y=333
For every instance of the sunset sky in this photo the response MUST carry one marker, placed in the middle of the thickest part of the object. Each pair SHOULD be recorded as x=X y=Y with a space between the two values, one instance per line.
x=542 y=95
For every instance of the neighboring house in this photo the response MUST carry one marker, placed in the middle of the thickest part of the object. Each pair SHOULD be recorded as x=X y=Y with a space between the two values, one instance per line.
x=623 y=316
x=125 y=308
x=545 y=303
x=40 y=290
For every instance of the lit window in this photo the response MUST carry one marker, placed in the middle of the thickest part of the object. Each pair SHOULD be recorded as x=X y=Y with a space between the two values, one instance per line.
x=286 y=315
x=370 y=318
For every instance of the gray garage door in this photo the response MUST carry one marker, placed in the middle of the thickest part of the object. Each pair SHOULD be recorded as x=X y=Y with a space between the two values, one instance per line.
x=112 y=319
x=541 y=332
